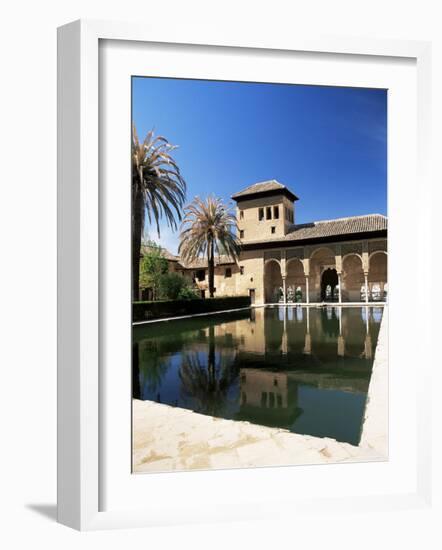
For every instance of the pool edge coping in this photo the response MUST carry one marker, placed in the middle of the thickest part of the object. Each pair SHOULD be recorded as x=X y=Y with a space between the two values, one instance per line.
x=253 y=306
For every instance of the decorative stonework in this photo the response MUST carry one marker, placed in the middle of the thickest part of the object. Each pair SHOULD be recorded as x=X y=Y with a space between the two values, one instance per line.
x=351 y=248
x=272 y=255
x=309 y=250
x=374 y=246
x=295 y=253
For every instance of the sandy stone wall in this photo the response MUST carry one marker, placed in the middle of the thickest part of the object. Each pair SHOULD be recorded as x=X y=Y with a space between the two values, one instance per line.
x=251 y=273
x=256 y=229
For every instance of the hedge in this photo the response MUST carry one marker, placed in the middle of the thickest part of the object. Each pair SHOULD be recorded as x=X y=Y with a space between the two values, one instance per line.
x=143 y=311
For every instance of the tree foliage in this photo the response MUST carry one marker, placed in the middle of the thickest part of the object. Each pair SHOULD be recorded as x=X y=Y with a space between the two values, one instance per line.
x=153 y=266
x=174 y=286
x=158 y=191
x=209 y=227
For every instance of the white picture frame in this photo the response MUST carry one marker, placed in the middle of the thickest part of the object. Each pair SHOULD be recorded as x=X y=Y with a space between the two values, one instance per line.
x=80 y=444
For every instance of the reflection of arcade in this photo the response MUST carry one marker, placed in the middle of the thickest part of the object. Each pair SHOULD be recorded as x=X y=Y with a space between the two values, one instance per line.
x=269 y=397
x=323 y=333
x=322 y=347
x=328 y=332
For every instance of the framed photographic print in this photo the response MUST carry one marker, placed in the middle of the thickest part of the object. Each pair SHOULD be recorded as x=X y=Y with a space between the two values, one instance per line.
x=235 y=227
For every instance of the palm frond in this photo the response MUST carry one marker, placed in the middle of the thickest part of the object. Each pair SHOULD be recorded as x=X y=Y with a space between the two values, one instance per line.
x=156 y=174
x=205 y=223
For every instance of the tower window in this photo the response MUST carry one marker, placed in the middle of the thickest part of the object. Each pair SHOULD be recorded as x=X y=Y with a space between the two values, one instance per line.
x=228 y=272
x=241 y=269
x=241 y=214
x=273 y=229
x=241 y=233
x=261 y=214
x=268 y=213
x=276 y=212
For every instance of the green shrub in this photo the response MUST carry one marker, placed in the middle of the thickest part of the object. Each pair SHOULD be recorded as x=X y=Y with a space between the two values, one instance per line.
x=142 y=311
x=188 y=293
x=171 y=285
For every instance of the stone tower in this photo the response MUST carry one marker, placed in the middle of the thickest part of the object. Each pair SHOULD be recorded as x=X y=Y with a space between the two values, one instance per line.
x=265 y=211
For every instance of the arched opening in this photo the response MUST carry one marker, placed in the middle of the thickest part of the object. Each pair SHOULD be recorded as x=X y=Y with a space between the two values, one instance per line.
x=321 y=260
x=295 y=281
x=329 y=285
x=377 y=276
x=352 y=279
x=273 y=282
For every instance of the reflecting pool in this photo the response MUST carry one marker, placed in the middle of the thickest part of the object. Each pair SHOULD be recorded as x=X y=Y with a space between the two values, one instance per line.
x=303 y=369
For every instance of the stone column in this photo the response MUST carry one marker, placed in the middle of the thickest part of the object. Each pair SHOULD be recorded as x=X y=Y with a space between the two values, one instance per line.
x=366 y=286
x=339 y=287
x=306 y=266
x=308 y=338
x=284 y=290
x=307 y=344
x=341 y=346
x=365 y=267
x=367 y=347
x=284 y=345
x=341 y=341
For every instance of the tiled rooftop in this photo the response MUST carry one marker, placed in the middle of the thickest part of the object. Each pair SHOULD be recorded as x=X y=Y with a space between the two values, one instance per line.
x=262 y=187
x=201 y=263
x=168 y=255
x=315 y=230
x=333 y=228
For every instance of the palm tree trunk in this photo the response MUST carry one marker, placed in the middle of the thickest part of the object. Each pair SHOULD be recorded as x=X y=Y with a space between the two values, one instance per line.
x=211 y=266
x=211 y=359
x=137 y=231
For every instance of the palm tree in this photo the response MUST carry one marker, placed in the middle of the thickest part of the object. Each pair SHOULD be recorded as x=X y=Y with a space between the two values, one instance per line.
x=208 y=227
x=158 y=190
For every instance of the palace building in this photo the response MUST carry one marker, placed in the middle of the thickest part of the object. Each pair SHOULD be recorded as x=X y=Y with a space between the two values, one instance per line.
x=339 y=260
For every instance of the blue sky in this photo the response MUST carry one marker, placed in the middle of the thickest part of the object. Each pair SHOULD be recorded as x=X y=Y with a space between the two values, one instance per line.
x=327 y=144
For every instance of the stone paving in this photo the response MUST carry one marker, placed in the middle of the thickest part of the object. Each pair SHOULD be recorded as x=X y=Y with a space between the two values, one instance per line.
x=171 y=439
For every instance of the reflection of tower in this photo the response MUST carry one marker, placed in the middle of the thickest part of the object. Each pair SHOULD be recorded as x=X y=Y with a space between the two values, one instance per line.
x=262 y=388
x=268 y=397
x=308 y=338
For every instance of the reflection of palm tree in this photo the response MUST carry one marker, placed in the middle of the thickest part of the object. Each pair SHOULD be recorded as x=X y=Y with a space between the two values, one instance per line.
x=153 y=366
x=208 y=384
x=136 y=390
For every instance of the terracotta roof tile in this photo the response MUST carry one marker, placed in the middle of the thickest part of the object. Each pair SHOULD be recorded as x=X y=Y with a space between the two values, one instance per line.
x=201 y=263
x=168 y=255
x=262 y=187
x=331 y=228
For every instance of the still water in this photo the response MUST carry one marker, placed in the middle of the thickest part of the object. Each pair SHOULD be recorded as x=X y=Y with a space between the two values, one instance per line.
x=303 y=369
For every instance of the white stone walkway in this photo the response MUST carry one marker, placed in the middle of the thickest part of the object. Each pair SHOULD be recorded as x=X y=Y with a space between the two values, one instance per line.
x=170 y=439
